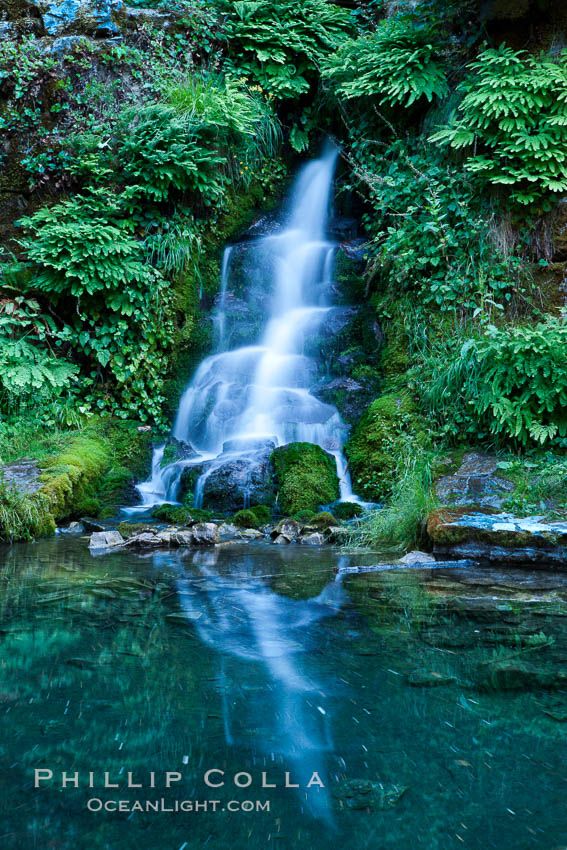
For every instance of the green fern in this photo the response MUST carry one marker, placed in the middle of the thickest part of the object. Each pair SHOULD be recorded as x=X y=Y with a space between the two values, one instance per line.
x=398 y=64
x=512 y=122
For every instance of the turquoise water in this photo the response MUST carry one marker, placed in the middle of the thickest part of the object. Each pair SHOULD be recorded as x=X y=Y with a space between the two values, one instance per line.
x=446 y=690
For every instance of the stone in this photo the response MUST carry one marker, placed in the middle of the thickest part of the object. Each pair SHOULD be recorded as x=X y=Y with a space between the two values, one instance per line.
x=476 y=482
x=252 y=534
x=206 y=533
x=497 y=537
x=22 y=475
x=146 y=538
x=90 y=524
x=72 y=528
x=315 y=539
x=106 y=540
x=368 y=794
x=336 y=534
x=288 y=528
x=281 y=540
x=233 y=480
x=182 y=538
x=516 y=674
x=91 y=17
x=416 y=557
x=229 y=531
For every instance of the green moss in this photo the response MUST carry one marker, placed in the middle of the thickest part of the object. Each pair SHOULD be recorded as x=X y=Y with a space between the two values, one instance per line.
x=324 y=519
x=385 y=430
x=304 y=516
x=172 y=513
x=306 y=477
x=347 y=510
x=262 y=513
x=246 y=519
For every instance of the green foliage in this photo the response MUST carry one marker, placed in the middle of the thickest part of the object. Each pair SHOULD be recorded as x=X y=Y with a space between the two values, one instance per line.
x=400 y=525
x=172 y=513
x=262 y=513
x=246 y=519
x=347 y=510
x=306 y=476
x=323 y=520
x=279 y=44
x=428 y=234
x=83 y=247
x=23 y=517
x=524 y=381
x=512 y=122
x=398 y=64
x=385 y=432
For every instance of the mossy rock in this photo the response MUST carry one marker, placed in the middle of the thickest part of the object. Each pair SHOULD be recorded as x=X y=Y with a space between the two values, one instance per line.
x=262 y=513
x=304 y=516
x=246 y=519
x=175 y=514
x=324 y=519
x=389 y=423
x=347 y=510
x=306 y=477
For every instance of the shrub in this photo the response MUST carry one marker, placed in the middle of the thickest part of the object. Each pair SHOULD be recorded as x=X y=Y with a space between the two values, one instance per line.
x=347 y=510
x=398 y=64
x=523 y=382
x=306 y=476
x=279 y=43
x=262 y=513
x=172 y=513
x=512 y=121
x=322 y=520
x=246 y=519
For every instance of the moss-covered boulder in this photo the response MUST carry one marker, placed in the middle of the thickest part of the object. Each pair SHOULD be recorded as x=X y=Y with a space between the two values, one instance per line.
x=306 y=477
x=376 y=443
x=245 y=519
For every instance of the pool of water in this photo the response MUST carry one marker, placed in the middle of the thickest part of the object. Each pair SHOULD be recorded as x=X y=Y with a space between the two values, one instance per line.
x=413 y=708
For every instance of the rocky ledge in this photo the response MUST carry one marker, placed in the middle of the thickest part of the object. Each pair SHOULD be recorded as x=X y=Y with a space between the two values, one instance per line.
x=459 y=533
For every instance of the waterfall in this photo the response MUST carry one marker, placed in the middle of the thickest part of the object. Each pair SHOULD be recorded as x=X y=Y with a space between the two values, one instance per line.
x=242 y=398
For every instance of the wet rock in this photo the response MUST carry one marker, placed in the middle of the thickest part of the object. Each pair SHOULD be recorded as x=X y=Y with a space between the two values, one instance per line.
x=231 y=481
x=106 y=540
x=497 y=537
x=315 y=539
x=475 y=483
x=146 y=538
x=368 y=794
x=72 y=528
x=336 y=534
x=415 y=557
x=281 y=540
x=229 y=531
x=22 y=475
x=252 y=534
x=429 y=679
x=560 y=231
x=288 y=528
x=182 y=537
x=323 y=520
x=206 y=533
x=90 y=524
x=92 y=17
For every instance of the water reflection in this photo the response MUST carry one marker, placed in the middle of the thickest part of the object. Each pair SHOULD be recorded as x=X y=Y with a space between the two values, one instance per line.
x=263 y=641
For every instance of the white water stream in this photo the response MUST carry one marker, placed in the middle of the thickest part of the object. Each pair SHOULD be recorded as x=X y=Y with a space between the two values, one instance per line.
x=243 y=397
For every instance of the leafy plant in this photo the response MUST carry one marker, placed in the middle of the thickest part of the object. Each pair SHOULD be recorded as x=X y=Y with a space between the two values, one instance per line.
x=278 y=43
x=398 y=64
x=512 y=122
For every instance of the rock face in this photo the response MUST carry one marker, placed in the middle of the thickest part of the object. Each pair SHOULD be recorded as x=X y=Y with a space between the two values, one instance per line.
x=497 y=537
x=106 y=540
x=206 y=533
x=475 y=483
x=92 y=17
x=367 y=794
x=233 y=481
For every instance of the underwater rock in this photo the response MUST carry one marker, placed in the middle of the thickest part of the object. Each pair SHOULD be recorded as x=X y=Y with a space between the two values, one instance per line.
x=476 y=482
x=106 y=540
x=429 y=679
x=367 y=794
x=497 y=537
x=516 y=674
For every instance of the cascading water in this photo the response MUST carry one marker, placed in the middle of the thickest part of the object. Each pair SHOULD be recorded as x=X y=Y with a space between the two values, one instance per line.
x=259 y=394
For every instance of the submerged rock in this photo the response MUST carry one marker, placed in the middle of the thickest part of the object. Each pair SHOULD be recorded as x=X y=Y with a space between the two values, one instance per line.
x=516 y=674
x=106 y=540
x=429 y=679
x=415 y=557
x=367 y=794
